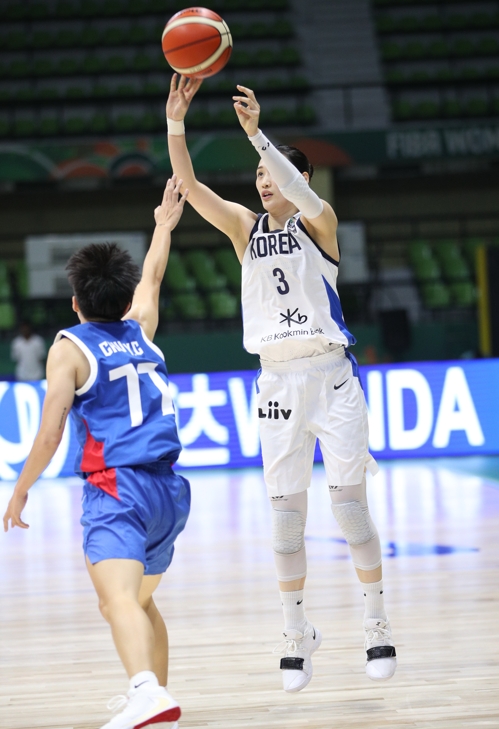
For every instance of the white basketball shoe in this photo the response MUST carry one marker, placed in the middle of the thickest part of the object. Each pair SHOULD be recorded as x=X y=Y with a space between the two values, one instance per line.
x=145 y=706
x=296 y=665
x=381 y=655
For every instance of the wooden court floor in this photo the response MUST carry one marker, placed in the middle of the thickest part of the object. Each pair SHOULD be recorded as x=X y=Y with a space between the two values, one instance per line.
x=439 y=523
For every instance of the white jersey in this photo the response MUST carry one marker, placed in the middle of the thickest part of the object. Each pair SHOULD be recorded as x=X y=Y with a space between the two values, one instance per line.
x=290 y=303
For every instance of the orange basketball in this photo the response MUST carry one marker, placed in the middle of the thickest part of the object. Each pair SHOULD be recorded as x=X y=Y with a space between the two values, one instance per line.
x=197 y=42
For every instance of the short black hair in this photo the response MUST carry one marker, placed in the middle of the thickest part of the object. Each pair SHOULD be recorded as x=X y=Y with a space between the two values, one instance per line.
x=297 y=158
x=103 y=278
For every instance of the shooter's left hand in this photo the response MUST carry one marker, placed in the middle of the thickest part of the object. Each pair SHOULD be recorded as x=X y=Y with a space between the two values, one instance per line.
x=170 y=211
x=13 y=513
x=247 y=110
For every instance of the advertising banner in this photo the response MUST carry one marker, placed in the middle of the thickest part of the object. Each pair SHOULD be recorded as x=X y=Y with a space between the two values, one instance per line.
x=415 y=410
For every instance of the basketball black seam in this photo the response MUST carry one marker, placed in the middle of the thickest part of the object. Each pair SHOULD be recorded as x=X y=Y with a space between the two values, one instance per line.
x=189 y=45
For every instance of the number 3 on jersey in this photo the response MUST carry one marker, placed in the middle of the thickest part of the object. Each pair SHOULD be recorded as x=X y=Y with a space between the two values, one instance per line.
x=283 y=287
x=133 y=387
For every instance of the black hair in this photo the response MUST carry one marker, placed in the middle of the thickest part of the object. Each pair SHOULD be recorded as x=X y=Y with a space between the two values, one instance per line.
x=297 y=158
x=103 y=278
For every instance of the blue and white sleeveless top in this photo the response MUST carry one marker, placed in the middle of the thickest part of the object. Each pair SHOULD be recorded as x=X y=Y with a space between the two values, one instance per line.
x=124 y=413
x=290 y=302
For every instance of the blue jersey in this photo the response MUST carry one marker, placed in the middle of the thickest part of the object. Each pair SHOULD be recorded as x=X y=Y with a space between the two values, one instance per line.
x=124 y=413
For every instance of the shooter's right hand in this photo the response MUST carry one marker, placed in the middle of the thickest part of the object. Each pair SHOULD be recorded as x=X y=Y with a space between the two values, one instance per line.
x=180 y=96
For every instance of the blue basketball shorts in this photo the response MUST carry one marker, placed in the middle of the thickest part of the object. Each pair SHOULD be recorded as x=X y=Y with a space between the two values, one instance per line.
x=140 y=521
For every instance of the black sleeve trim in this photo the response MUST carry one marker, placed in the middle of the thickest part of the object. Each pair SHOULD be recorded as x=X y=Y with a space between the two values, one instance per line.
x=323 y=253
x=255 y=227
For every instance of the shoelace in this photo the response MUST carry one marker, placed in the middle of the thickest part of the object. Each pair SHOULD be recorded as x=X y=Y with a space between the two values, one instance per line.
x=117 y=703
x=288 y=645
x=377 y=634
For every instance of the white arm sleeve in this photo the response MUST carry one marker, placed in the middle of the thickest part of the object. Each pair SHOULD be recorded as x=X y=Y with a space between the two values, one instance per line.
x=288 y=178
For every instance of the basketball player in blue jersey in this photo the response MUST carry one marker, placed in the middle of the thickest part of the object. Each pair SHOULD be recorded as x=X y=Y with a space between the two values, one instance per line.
x=113 y=379
x=309 y=386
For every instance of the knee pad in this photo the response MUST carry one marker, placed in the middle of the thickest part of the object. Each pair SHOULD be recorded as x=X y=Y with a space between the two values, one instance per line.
x=354 y=522
x=288 y=531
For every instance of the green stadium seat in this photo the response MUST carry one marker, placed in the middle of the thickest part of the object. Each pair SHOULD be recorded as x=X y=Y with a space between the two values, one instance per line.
x=408 y=24
x=19 y=68
x=481 y=20
x=420 y=76
x=113 y=36
x=111 y=7
x=267 y=58
x=24 y=128
x=462 y=47
x=75 y=92
x=476 y=107
x=202 y=267
x=470 y=73
x=138 y=34
x=99 y=124
x=127 y=90
x=223 y=305
x=427 y=109
x=463 y=293
x=495 y=106
x=116 y=64
x=258 y=30
x=403 y=110
x=136 y=7
x=49 y=126
x=423 y=263
x=305 y=114
x=414 y=50
x=451 y=108
x=241 y=58
x=7 y=316
x=201 y=119
x=67 y=38
x=38 y=10
x=17 y=11
x=190 y=306
x=5 y=288
x=101 y=90
x=431 y=22
x=279 y=116
x=75 y=125
x=5 y=96
x=68 y=66
x=281 y=29
x=458 y=21
x=298 y=82
x=492 y=72
x=89 y=36
x=142 y=62
x=386 y=24
x=470 y=248
x=48 y=93
x=226 y=118
x=488 y=46
x=449 y=256
x=42 y=39
x=21 y=278
x=66 y=9
x=177 y=279
x=93 y=64
x=25 y=94
x=89 y=9
x=438 y=49
x=227 y=263
x=435 y=295
x=125 y=123
x=391 y=51
x=151 y=122
x=288 y=57
x=43 y=67
x=15 y=40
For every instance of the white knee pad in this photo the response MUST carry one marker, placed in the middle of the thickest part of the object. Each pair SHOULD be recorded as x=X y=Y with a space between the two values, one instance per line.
x=288 y=531
x=354 y=521
x=288 y=541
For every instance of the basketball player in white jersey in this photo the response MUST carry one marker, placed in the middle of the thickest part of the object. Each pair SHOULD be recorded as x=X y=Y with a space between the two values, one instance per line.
x=309 y=386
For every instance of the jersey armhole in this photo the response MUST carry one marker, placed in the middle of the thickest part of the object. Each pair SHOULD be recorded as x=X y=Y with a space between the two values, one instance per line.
x=322 y=252
x=92 y=361
x=150 y=344
x=255 y=226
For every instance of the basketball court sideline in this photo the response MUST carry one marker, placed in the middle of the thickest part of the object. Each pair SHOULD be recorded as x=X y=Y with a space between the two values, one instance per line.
x=439 y=525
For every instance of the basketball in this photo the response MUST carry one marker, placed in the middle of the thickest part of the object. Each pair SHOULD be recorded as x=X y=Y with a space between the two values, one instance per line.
x=197 y=42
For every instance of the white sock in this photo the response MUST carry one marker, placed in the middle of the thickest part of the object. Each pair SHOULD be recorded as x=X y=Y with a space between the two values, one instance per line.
x=374 y=602
x=294 y=612
x=142 y=678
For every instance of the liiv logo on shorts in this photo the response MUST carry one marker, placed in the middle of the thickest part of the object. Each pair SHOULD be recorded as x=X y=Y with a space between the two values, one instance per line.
x=273 y=412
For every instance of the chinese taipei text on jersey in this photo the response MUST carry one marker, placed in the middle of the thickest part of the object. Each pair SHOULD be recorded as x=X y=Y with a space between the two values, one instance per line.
x=290 y=302
x=124 y=413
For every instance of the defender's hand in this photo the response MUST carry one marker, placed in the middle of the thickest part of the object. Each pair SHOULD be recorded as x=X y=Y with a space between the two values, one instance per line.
x=170 y=211
x=247 y=110
x=13 y=513
x=181 y=96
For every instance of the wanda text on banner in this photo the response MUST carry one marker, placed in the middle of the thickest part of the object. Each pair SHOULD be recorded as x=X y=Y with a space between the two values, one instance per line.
x=415 y=410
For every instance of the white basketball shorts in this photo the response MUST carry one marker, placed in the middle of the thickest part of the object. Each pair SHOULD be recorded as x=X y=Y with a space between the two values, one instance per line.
x=304 y=399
